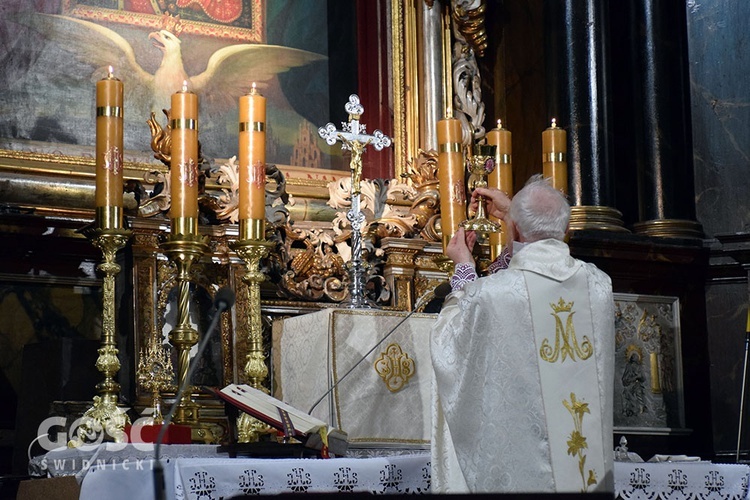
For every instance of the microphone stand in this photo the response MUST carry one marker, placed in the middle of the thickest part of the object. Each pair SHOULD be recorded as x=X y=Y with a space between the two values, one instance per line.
x=224 y=301
x=742 y=394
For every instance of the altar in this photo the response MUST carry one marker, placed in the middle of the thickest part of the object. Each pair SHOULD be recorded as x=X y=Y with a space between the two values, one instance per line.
x=385 y=400
x=201 y=478
x=200 y=471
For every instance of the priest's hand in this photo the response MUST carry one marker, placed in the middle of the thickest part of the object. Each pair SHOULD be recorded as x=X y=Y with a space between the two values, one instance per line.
x=498 y=203
x=460 y=246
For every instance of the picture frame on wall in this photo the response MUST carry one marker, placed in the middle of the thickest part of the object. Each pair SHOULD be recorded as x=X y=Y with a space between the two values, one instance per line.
x=649 y=391
x=51 y=55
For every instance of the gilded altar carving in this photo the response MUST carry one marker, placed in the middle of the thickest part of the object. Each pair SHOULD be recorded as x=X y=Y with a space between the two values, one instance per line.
x=425 y=207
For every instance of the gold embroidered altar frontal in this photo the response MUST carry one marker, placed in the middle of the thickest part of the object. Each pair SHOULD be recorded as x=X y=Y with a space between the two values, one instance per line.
x=385 y=400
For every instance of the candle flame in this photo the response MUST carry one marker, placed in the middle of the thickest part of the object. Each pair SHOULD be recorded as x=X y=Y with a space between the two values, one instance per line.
x=554 y=123
x=499 y=123
x=184 y=85
x=110 y=71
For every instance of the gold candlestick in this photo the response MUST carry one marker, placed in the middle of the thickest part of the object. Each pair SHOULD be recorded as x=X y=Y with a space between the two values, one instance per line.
x=252 y=250
x=105 y=415
x=184 y=247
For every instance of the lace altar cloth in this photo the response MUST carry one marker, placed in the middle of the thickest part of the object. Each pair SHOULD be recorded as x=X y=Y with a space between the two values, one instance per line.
x=200 y=478
x=681 y=480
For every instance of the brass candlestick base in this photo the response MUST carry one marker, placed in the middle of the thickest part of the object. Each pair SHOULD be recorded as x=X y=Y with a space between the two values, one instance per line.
x=184 y=248
x=251 y=251
x=481 y=164
x=105 y=415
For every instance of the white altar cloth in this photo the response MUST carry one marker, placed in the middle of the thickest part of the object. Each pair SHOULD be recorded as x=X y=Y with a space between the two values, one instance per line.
x=681 y=480
x=377 y=404
x=207 y=478
x=201 y=478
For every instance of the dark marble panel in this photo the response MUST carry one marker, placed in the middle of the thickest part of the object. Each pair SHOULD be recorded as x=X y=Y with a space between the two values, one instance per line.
x=726 y=311
x=513 y=80
x=720 y=101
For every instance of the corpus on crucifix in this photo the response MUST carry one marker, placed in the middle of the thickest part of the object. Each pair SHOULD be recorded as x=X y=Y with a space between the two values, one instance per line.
x=354 y=138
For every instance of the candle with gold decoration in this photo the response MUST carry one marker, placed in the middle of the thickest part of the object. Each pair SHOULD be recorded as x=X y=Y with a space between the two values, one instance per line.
x=655 y=382
x=109 y=108
x=554 y=161
x=252 y=153
x=184 y=164
x=501 y=178
x=451 y=173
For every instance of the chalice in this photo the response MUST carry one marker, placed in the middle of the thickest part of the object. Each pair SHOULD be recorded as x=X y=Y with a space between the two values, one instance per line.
x=481 y=164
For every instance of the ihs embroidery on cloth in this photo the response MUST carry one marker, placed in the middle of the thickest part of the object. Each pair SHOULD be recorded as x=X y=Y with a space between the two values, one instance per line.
x=395 y=367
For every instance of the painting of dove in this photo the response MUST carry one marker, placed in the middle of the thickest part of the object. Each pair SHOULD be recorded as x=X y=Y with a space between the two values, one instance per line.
x=49 y=62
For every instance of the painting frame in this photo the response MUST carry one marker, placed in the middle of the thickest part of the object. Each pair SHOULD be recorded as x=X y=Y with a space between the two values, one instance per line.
x=254 y=34
x=29 y=165
x=649 y=383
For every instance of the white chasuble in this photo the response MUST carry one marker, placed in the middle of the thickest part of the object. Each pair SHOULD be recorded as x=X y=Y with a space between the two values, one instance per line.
x=500 y=417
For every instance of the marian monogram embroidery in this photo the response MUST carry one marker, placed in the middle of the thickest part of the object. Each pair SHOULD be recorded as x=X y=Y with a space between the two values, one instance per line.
x=566 y=343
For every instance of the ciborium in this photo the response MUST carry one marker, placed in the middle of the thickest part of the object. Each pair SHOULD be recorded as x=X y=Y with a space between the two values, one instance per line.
x=481 y=164
x=155 y=374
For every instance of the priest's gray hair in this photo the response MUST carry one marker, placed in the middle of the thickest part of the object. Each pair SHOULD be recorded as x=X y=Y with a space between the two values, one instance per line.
x=540 y=211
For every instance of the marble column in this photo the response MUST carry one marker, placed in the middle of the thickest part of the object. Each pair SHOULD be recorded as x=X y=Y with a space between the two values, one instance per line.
x=430 y=23
x=662 y=141
x=576 y=60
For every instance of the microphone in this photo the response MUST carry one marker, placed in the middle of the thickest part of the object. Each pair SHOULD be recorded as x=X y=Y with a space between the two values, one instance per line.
x=440 y=292
x=223 y=301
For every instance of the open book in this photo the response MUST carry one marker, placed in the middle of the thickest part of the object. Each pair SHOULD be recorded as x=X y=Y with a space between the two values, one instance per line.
x=293 y=422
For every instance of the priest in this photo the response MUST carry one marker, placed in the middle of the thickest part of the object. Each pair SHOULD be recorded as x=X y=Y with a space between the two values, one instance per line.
x=524 y=361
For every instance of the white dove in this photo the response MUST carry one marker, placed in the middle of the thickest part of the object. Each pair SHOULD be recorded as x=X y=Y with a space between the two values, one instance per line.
x=228 y=74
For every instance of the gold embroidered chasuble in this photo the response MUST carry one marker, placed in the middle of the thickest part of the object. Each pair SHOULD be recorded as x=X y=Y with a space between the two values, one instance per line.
x=522 y=390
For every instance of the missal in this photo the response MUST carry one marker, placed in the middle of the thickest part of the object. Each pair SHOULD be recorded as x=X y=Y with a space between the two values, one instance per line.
x=293 y=422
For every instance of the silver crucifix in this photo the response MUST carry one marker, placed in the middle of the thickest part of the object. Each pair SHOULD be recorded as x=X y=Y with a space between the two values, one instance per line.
x=354 y=138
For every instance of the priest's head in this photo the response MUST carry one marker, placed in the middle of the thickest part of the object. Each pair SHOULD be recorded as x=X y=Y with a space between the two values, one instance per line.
x=539 y=211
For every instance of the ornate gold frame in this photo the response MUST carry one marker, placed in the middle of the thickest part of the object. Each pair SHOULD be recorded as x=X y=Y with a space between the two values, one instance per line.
x=254 y=34
x=71 y=168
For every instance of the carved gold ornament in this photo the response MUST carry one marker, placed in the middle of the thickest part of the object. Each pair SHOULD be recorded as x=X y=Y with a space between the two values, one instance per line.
x=395 y=367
